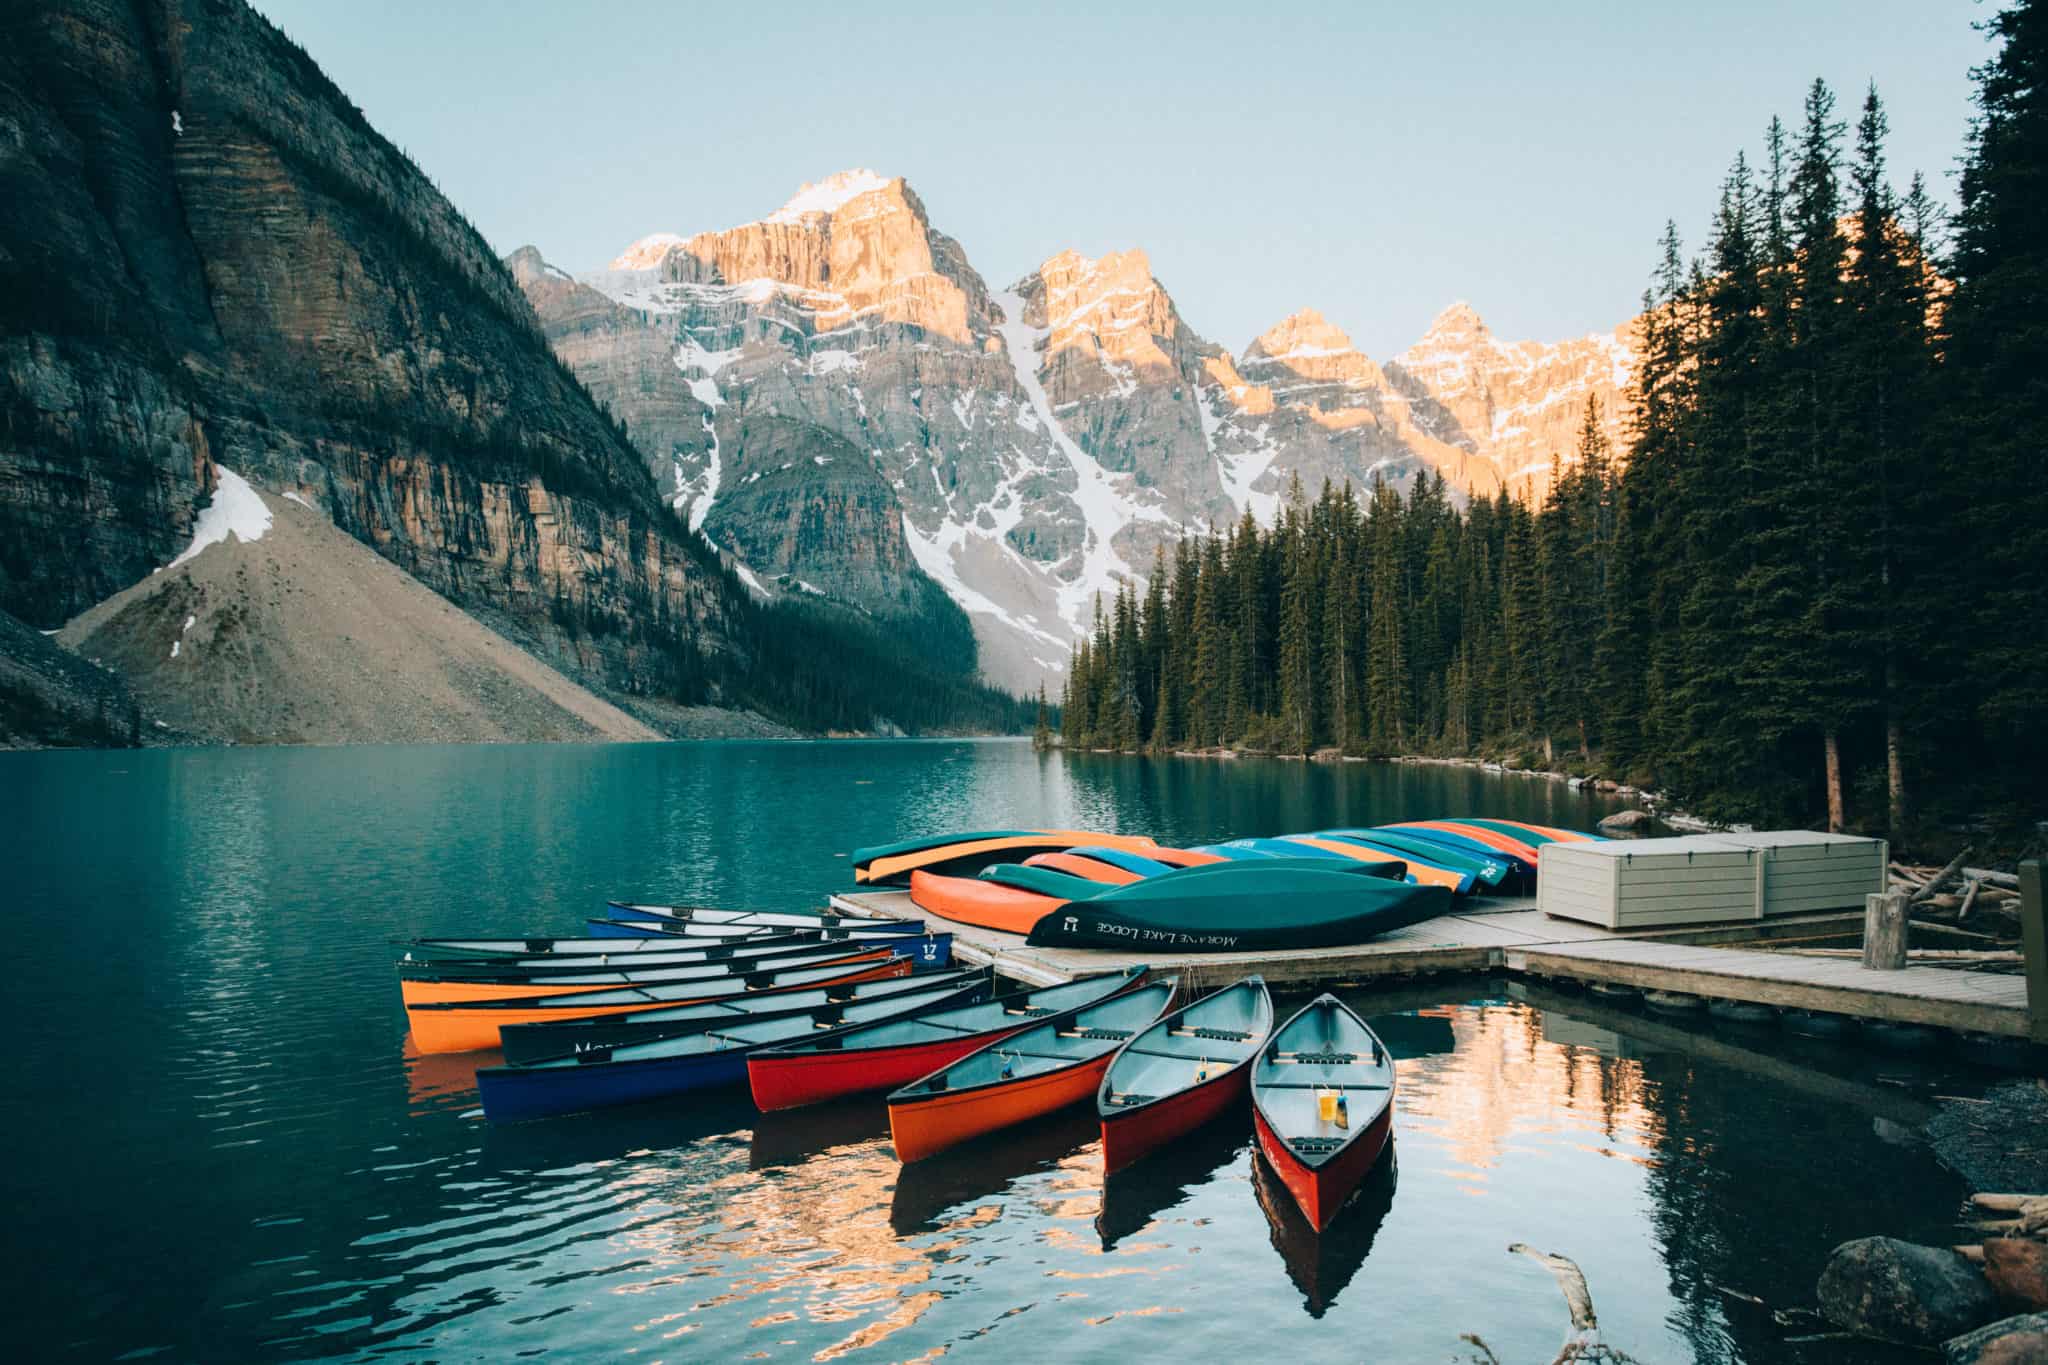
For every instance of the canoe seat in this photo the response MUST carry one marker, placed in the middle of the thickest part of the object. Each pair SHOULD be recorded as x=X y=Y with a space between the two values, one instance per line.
x=1317 y=1058
x=1029 y=1011
x=1105 y=1034
x=1130 y=1098
x=1316 y=1146
x=1219 y=1035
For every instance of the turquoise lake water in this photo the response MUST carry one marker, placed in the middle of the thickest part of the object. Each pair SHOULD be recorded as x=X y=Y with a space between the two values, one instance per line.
x=221 y=1147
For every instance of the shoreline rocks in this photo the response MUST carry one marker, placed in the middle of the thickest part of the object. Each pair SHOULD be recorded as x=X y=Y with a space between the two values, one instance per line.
x=1899 y=1291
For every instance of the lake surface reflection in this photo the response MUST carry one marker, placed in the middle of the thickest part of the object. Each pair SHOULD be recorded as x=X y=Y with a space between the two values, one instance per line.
x=224 y=1147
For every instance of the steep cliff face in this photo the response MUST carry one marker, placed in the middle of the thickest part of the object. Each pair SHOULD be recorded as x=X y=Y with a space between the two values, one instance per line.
x=210 y=257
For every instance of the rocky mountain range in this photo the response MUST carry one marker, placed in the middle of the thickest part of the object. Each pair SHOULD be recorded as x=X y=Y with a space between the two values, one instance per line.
x=835 y=398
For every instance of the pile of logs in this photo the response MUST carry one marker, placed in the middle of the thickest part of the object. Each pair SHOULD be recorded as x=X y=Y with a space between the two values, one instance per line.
x=2013 y=1249
x=1974 y=900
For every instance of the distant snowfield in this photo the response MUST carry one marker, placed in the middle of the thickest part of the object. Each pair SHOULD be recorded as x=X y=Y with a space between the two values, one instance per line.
x=236 y=509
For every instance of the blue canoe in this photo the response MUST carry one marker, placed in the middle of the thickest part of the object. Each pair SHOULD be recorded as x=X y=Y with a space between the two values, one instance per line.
x=524 y=1043
x=600 y=1077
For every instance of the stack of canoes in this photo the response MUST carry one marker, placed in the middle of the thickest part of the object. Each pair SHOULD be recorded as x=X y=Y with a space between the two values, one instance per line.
x=1285 y=892
x=727 y=981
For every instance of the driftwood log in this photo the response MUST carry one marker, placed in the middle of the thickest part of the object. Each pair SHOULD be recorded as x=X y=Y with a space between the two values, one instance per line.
x=1934 y=883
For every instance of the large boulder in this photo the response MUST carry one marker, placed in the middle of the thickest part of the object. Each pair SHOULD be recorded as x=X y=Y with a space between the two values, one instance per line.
x=1883 y=1287
x=1625 y=819
x=2017 y=1269
x=2015 y=1341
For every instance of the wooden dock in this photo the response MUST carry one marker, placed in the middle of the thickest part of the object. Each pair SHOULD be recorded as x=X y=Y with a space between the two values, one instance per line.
x=1513 y=936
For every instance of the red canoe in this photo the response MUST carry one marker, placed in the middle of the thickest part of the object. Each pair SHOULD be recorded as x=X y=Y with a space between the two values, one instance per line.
x=1188 y=1069
x=1323 y=1105
x=892 y=1054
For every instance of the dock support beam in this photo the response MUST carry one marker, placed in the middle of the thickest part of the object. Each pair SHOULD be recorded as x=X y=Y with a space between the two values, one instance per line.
x=2034 y=943
x=1884 y=931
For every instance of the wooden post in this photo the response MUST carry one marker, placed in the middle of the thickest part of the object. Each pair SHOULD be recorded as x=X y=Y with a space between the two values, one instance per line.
x=1884 y=931
x=2034 y=943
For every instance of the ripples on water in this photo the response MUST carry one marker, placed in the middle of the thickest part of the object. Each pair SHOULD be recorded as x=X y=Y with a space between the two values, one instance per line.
x=231 y=1152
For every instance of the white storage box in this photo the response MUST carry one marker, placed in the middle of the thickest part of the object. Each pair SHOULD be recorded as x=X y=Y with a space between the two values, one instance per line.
x=1805 y=871
x=1639 y=883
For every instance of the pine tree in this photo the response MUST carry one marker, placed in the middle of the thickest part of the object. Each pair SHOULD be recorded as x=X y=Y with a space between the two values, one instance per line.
x=1997 y=366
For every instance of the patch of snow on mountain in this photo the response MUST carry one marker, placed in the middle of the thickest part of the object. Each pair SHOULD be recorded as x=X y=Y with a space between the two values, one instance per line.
x=935 y=555
x=828 y=195
x=1240 y=472
x=236 y=510
x=1104 y=510
x=714 y=470
x=646 y=253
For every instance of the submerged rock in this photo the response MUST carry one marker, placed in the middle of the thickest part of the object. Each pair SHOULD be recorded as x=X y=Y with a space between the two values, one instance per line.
x=1900 y=1291
x=2015 y=1341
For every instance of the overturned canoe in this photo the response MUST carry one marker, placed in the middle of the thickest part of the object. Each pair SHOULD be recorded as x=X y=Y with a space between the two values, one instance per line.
x=1024 y=1076
x=601 y=1076
x=431 y=983
x=1535 y=836
x=538 y=1042
x=1458 y=834
x=1458 y=883
x=1088 y=869
x=965 y=854
x=984 y=904
x=1487 y=868
x=472 y=1026
x=1186 y=1070
x=1323 y=1105
x=885 y=1056
x=1274 y=905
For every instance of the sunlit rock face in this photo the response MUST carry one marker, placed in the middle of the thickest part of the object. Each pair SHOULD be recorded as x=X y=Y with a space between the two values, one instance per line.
x=209 y=259
x=1039 y=443
x=1519 y=404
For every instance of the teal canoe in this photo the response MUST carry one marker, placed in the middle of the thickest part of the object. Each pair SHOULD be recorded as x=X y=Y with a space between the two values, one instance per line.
x=1491 y=872
x=1276 y=903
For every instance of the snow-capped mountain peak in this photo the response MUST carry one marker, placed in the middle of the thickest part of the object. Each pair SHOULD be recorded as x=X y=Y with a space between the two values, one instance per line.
x=829 y=195
x=1027 y=450
x=646 y=253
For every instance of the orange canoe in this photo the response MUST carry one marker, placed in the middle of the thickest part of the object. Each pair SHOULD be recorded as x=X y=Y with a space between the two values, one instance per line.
x=1038 y=1071
x=1427 y=876
x=974 y=854
x=1478 y=834
x=474 y=1027
x=970 y=900
x=1078 y=865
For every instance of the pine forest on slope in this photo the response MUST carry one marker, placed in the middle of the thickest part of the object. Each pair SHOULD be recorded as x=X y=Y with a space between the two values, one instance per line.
x=1811 y=592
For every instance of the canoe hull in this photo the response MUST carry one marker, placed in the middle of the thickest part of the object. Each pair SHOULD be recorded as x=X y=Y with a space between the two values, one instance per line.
x=459 y=1030
x=987 y=905
x=793 y=1081
x=1133 y=1134
x=520 y=1095
x=455 y=992
x=928 y=1125
x=1320 y=1191
x=1093 y=924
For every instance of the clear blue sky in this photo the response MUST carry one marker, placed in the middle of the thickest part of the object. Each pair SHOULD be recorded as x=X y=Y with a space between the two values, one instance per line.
x=1373 y=161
